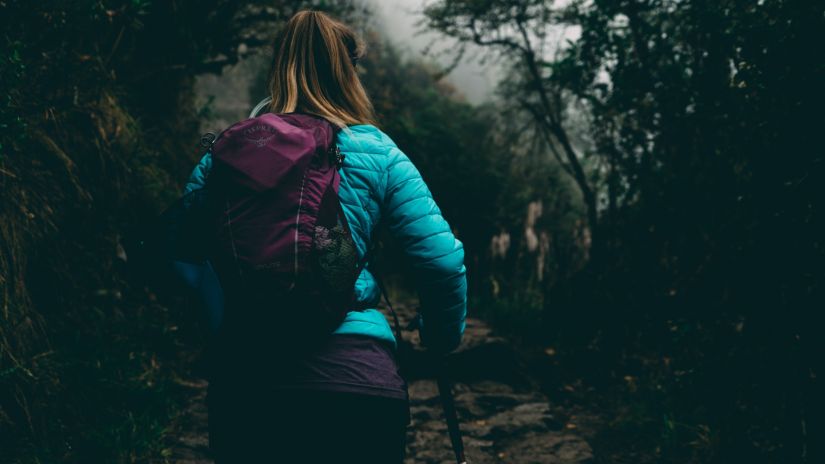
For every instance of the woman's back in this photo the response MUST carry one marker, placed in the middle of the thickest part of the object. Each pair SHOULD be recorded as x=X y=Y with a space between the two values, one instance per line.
x=379 y=184
x=339 y=398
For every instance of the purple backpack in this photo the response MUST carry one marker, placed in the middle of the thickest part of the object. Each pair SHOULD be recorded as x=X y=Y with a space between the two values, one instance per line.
x=282 y=241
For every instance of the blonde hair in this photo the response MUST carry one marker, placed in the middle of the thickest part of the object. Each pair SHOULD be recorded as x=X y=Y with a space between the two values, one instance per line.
x=313 y=71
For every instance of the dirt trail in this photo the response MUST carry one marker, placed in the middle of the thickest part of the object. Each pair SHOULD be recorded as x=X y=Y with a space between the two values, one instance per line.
x=504 y=417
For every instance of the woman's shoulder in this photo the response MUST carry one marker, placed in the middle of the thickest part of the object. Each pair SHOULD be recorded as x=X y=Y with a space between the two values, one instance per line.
x=365 y=138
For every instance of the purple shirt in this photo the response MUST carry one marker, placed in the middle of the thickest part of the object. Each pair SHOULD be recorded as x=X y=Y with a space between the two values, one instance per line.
x=345 y=363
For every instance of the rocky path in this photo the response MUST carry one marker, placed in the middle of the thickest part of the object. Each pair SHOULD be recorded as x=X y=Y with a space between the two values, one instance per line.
x=504 y=417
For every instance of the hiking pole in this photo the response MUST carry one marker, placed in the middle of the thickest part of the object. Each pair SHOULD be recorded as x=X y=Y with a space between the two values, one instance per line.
x=445 y=392
x=445 y=388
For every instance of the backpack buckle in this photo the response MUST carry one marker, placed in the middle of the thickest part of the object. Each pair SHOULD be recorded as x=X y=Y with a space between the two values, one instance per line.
x=337 y=156
x=207 y=140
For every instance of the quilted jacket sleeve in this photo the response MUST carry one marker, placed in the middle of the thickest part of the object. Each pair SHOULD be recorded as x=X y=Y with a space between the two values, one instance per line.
x=436 y=255
x=198 y=177
x=201 y=277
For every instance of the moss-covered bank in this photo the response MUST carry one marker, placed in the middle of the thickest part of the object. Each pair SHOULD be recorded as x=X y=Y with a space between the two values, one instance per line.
x=97 y=128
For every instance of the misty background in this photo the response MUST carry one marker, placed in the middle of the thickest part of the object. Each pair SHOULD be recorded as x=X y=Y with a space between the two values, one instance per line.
x=225 y=98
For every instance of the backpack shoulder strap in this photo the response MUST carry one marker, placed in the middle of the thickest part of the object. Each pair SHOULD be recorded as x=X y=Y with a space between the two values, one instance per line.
x=396 y=323
x=376 y=274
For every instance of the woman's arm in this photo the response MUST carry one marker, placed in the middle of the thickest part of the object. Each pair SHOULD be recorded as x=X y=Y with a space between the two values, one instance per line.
x=436 y=255
x=201 y=277
x=198 y=177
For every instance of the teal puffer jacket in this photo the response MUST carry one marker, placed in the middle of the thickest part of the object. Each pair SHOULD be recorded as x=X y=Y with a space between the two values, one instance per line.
x=380 y=183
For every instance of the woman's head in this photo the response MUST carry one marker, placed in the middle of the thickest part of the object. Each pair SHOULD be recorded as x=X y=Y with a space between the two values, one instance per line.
x=314 y=71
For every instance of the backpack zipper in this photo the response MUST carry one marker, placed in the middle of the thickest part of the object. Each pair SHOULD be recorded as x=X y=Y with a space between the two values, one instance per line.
x=297 y=226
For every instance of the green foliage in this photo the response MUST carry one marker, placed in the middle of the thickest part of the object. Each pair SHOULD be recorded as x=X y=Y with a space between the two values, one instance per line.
x=12 y=72
x=716 y=196
x=97 y=131
x=701 y=119
x=518 y=316
x=691 y=121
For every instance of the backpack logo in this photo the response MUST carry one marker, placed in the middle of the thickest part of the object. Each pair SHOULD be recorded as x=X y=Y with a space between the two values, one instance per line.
x=259 y=134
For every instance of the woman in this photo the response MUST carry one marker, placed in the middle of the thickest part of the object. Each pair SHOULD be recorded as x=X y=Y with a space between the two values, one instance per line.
x=342 y=399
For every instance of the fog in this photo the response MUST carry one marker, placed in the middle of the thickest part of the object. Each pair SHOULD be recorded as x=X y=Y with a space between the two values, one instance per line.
x=228 y=97
x=397 y=20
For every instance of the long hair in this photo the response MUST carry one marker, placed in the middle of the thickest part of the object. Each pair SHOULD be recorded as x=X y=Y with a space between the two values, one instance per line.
x=314 y=71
